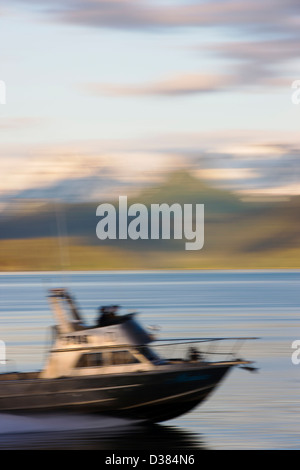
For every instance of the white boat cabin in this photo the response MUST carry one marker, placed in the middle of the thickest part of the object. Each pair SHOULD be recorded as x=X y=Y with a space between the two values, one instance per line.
x=117 y=344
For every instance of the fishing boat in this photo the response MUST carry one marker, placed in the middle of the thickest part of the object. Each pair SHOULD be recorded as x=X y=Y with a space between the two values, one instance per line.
x=113 y=368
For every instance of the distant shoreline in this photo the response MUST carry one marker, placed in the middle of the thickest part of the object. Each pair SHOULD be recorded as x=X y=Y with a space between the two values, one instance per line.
x=152 y=271
x=76 y=254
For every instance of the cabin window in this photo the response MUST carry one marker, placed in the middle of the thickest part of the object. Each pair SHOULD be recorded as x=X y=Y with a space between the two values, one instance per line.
x=122 y=357
x=90 y=360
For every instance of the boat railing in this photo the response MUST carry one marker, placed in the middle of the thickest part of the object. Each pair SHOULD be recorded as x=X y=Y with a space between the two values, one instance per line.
x=201 y=349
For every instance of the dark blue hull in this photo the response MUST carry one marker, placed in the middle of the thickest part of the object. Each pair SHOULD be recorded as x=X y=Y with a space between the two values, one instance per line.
x=153 y=396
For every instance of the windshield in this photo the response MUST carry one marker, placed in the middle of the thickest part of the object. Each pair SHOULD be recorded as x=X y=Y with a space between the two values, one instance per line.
x=150 y=355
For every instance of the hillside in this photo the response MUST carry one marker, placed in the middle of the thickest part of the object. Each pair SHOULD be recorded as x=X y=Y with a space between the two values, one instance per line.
x=237 y=234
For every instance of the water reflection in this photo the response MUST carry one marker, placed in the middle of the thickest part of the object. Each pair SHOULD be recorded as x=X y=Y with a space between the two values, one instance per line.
x=135 y=437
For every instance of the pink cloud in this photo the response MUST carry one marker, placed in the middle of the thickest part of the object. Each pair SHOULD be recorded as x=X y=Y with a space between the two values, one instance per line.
x=181 y=84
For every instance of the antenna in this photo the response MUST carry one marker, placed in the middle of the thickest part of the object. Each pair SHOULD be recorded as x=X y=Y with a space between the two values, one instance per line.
x=62 y=236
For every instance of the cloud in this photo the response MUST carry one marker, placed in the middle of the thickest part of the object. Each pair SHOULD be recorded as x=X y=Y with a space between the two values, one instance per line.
x=271 y=29
x=258 y=61
x=282 y=190
x=145 y=14
x=261 y=168
x=85 y=171
x=181 y=84
x=69 y=170
x=274 y=51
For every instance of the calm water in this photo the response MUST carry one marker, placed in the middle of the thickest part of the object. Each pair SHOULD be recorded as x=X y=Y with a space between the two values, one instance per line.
x=248 y=411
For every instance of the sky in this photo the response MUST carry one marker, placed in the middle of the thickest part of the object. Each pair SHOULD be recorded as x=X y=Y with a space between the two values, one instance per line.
x=115 y=93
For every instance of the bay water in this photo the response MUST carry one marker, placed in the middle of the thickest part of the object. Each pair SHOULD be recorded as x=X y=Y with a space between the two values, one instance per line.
x=258 y=410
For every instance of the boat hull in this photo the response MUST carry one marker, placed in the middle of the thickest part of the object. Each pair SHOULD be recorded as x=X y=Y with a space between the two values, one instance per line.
x=151 y=396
